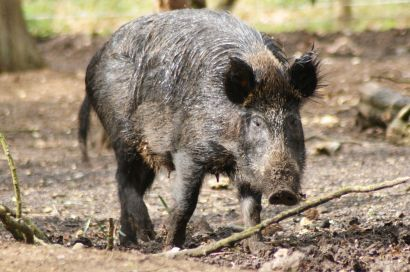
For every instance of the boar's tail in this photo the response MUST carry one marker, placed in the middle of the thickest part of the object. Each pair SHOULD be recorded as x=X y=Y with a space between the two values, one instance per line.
x=83 y=127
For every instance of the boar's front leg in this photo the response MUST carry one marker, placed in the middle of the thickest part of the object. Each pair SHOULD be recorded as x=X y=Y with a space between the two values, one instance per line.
x=134 y=177
x=251 y=208
x=186 y=187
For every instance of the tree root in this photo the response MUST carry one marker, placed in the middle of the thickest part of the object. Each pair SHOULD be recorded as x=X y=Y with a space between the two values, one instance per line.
x=309 y=203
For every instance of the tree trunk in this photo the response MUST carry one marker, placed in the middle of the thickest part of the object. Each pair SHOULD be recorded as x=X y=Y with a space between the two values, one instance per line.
x=17 y=48
x=345 y=13
x=226 y=4
x=198 y=4
x=164 y=5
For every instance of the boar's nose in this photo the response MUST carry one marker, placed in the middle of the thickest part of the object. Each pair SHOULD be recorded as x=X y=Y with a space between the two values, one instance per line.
x=284 y=197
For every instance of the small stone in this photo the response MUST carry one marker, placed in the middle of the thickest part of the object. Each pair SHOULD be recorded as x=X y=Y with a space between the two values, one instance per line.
x=305 y=222
x=78 y=175
x=271 y=229
x=284 y=260
x=175 y=249
x=78 y=246
x=79 y=233
x=47 y=210
x=327 y=148
x=311 y=214
x=329 y=120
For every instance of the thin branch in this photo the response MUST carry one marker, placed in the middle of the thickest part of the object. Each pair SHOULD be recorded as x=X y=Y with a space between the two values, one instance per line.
x=164 y=203
x=327 y=139
x=19 y=230
x=110 y=238
x=22 y=229
x=38 y=233
x=14 y=177
x=310 y=203
x=392 y=78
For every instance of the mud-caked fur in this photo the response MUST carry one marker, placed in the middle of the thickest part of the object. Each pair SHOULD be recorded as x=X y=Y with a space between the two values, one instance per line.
x=200 y=92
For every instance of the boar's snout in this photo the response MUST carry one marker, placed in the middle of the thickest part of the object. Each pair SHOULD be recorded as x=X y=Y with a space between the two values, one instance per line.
x=283 y=196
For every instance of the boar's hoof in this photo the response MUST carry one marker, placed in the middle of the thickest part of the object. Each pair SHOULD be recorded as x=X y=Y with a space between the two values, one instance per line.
x=127 y=242
x=284 y=197
x=256 y=247
x=146 y=234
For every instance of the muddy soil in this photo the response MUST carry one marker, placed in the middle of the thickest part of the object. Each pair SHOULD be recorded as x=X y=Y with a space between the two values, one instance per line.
x=366 y=232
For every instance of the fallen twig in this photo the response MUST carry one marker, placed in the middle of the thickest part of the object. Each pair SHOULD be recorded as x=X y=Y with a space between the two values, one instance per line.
x=14 y=177
x=164 y=204
x=309 y=203
x=327 y=139
x=19 y=230
x=110 y=238
x=20 y=227
x=392 y=78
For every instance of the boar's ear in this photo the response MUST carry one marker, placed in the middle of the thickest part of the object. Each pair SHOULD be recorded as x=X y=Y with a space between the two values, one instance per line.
x=239 y=80
x=304 y=74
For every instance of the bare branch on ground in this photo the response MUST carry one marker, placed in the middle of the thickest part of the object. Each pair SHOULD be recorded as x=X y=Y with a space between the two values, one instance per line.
x=22 y=229
x=14 y=177
x=19 y=230
x=309 y=203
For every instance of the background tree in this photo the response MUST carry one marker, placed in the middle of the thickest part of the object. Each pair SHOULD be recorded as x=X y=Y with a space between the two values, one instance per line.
x=226 y=4
x=178 y=4
x=18 y=50
x=345 y=12
x=164 y=5
x=198 y=3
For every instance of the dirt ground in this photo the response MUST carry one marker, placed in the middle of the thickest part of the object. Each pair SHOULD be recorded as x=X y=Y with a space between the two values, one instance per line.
x=366 y=232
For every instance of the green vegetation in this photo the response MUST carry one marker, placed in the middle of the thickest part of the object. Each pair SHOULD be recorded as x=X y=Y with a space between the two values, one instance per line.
x=49 y=17
x=280 y=15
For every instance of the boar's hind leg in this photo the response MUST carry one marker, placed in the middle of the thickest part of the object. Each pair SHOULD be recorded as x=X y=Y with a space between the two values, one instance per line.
x=134 y=177
x=189 y=176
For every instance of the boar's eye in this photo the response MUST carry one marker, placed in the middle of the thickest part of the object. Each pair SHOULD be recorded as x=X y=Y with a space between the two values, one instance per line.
x=257 y=121
x=257 y=132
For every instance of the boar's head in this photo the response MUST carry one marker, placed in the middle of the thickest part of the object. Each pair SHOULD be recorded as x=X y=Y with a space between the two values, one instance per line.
x=270 y=93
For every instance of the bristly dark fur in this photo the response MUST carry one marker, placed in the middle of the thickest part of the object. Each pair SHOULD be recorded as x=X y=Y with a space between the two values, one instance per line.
x=197 y=92
x=275 y=47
